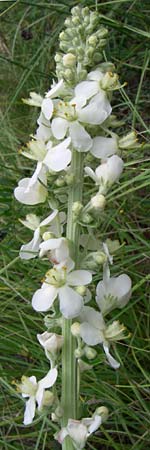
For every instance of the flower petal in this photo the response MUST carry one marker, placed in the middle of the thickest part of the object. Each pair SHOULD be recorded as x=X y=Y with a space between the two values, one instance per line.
x=29 y=411
x=79 y=277
x=71 y=302
x=58 y=158
x=93 y=317
x=95 y=75
x=55 y=89
x=43 y=298
x=112 y=361
x=59 y=127
x=30 y=250
x=103 y=147
x=49 y=218
x=90 y=334
x=90 y=173
x=86 y=89
x=81 y=140
x=49 y=379
x=47 y=108
x=97 y=110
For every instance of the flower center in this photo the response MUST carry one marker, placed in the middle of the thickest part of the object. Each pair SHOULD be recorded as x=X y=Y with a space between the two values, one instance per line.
x=66 y=111
x=56 y=277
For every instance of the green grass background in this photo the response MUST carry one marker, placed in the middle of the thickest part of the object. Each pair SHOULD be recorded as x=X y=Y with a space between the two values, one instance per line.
x=28 y=41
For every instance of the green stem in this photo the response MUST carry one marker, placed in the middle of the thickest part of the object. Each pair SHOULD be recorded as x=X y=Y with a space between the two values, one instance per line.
x=69 y=369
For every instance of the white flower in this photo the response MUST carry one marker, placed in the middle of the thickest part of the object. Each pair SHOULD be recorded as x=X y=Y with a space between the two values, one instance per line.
x=31 y=191
x=55 y=158
x=57 y=282
x=36 y=392
x=31 y=249
x=51 y=342
x=45 y=103
x=93 y=331
x=79 y=430
x=113 y=292
x=107 y=173
x=97 y=82
x=67 y=120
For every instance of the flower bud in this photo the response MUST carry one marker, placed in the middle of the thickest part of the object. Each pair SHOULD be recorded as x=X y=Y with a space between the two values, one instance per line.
x=97 y=57
x=103 y=412
x=98 y=201
x=85 y=11
x=100 y=257
x=90 y=352
x=48 y=398
x=75 y=11
x=63 y=36
x=92 y=40
x=102 y=33
x=59 y=411
x=47 y=235
x=68 y=74
x=69 y=60
x=82 y=75
x=69 y=179
x=77 y=208
x=58 y=58
x=81 y=290
x=59 y=182
x=87 y=218
x=75 y=329
x=79 y=352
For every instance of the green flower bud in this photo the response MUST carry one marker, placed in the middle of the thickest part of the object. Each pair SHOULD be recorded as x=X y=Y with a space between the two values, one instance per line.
x=79 y=352
x=85 y=11
x=100 y=257
x=103 y=412
x=81 y=290
x=58 y=58
x=69 y=179
x=97 y=57
x=87 y=218
x=75 y=329
x=98 y=202
x=63 y=46
x=47 y=235
x=76 y=11
x=63 y=36
x=90 y=352
x=82 y=75
x=77 y=208
x=60 y=182
x=76 y=20
x=69 y=60
x=102 y=33
x=92 y=40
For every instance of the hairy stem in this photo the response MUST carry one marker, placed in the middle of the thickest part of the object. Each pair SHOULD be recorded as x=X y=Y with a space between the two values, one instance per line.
x=69 y=369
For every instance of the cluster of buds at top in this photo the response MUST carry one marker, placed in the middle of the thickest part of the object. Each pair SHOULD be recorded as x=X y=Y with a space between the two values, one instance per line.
x=82 y=42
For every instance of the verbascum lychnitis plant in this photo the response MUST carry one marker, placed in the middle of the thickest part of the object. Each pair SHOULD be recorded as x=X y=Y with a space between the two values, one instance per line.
x=79 y=159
